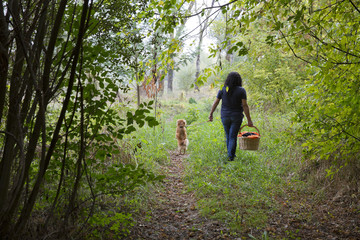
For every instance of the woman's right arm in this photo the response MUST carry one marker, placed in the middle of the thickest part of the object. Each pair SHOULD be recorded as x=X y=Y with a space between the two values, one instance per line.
x=215 y=104
x=247 y=112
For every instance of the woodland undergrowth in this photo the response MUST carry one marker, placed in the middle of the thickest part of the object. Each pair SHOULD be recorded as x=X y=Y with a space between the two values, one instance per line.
x=245 y=192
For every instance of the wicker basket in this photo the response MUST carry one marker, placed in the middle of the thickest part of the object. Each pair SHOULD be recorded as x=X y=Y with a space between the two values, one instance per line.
x=246 y=143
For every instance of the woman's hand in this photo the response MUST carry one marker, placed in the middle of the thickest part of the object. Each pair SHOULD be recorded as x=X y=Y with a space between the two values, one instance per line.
x=210 y=117
x=216 y=102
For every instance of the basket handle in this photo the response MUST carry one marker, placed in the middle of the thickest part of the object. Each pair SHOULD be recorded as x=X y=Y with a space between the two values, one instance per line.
x=252 y=126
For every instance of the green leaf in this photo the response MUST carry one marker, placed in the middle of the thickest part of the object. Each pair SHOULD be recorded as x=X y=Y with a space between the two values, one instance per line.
x=130 y=129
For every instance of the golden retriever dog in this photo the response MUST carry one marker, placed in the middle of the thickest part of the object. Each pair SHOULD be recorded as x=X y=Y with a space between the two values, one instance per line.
x=181 y=136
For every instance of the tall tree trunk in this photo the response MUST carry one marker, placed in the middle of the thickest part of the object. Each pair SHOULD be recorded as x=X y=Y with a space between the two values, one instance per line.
x=198 y=52
x=137 y=79
x=203 y=27
x=138 y=94
x=79 y=160
x=170 y=75
x=161 y=83
x=170 y=78
x=229 y=56
x=13 y=123
x=4 y=59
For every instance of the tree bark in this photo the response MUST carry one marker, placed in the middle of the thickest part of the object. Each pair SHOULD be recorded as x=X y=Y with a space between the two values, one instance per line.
x=4 y=58
x=12 y=124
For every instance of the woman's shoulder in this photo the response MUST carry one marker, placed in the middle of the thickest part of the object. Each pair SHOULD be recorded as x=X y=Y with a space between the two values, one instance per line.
x=222 y=89
x=240 y=88
x=240 y=91
x=220 y=93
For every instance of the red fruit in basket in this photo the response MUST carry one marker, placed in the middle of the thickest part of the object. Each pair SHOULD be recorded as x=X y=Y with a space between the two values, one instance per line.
x=253 y=136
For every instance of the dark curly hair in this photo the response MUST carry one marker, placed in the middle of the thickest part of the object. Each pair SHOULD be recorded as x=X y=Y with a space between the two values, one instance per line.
x=232 y=80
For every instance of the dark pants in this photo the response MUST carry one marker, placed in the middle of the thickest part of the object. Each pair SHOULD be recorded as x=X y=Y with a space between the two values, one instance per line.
x=231 y=127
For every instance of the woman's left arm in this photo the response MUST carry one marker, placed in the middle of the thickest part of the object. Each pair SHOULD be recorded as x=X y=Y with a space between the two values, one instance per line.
x=247 y=112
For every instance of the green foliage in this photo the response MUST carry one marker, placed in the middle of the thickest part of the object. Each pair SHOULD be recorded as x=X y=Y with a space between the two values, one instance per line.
x=185 y=76
x=110 y=224
x=269 y=74
x=192 y=115
x=271 y=78
x=331 y=134
x=192 y=101
x=120 y=178
x=151 y=146
x=328 y=46
x=139 y=117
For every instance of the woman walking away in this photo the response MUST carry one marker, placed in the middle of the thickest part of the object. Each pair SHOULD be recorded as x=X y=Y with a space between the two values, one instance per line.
x=233 y=105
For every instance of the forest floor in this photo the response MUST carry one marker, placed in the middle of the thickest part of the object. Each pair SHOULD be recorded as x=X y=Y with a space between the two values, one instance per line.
x=175 y=215
x=334 y=216
x=301 y=217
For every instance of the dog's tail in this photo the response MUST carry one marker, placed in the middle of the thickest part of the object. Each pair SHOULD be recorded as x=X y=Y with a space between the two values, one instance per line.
x=185 y=142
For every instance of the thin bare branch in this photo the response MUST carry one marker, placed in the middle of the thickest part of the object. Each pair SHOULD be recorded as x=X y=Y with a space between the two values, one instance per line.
x=220 y=6
x=292 y=50
x=357 y=9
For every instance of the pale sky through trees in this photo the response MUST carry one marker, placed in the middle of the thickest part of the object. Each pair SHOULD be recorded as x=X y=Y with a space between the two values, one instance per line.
x=192 y=25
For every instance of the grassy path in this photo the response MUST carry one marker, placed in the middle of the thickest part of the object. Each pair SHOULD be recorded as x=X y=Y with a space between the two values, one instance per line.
x=175 y=216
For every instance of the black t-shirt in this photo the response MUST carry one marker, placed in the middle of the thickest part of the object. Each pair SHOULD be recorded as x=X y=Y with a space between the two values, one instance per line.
x=232 y=104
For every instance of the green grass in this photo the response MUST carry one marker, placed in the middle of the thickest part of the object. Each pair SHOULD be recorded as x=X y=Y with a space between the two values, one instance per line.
x=240 y=192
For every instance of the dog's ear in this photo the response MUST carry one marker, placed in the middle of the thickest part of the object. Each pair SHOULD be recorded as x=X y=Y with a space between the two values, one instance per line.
x=177 y=122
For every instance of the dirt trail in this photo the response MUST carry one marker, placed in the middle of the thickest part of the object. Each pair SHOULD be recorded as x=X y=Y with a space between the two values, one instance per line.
x=176 y=216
